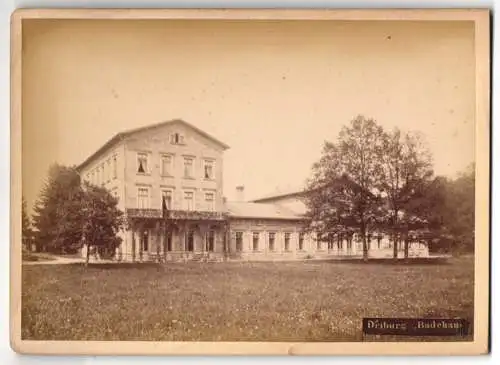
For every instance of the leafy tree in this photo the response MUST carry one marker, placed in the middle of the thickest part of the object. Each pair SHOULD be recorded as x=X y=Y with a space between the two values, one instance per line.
x=406 y=171
x=57 y=214
x=102 y=220
x=429 y=204
x=68 y=212
x=445 y=211
x=27 y=231
x=460 y=219
x=342 y=193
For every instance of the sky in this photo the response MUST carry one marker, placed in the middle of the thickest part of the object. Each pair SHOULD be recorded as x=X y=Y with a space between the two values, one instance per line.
x=272 y=91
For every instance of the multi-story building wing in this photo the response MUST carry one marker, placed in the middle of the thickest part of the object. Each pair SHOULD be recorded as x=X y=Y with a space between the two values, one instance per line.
x=168 y=181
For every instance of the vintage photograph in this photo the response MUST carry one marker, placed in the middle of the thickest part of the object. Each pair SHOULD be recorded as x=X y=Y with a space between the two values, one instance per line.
x=252 y=180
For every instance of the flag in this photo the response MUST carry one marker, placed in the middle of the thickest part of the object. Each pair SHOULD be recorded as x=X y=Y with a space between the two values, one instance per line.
x=164 y=208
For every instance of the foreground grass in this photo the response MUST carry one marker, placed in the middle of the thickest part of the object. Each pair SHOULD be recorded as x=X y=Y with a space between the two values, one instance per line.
x=296 y=301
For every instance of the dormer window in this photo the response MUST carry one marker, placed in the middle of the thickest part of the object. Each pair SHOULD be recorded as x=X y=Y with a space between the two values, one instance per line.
x=176 y=138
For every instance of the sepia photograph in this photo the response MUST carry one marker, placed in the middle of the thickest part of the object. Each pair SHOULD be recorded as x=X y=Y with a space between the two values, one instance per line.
x=202 y=181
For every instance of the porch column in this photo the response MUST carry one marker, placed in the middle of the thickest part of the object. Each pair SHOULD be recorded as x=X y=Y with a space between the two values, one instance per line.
x=220 y=234
x=133 y=244
x=128 y=255
x=182 y=237
x=139 y=243
x=227 y=241
x=203 y=228
x=294 y=241
x=157 y=240
x=163 y=233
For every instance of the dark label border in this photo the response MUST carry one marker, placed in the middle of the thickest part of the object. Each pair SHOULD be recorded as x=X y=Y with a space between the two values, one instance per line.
x=416 y=326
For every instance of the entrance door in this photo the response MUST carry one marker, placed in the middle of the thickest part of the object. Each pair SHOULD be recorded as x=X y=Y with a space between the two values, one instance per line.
x=190 y=241
x=168 y=241
x=210 y=241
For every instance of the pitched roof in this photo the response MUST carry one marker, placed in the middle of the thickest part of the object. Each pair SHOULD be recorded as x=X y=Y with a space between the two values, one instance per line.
x=281 y=193
x=120 y=136
x=260 y=210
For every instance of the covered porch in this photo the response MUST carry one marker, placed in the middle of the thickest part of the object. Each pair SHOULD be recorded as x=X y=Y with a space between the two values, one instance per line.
x=179 y=236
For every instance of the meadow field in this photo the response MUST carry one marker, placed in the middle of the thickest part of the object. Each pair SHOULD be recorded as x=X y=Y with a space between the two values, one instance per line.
x=239 y=301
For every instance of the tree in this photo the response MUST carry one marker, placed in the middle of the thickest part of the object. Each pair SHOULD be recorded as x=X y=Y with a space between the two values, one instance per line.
x=102 y=220
x=57 y=213
x=406 y=170
x=68 y=212
x=427 y=211
x=342 y=193
x=460 y=219
x=27 y=231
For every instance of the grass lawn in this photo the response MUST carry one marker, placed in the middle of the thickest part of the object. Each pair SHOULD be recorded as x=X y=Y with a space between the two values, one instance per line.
x=293 y=301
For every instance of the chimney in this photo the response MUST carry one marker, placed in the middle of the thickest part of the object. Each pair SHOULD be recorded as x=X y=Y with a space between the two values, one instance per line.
x=240 y=193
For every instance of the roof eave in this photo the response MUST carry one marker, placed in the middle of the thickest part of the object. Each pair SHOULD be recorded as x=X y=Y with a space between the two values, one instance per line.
x=122 y=135
x=268 y=198
x=267 y=217
x=110 y=143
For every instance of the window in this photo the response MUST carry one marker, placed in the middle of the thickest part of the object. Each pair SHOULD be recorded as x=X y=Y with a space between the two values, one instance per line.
x=143 y=198
x=103 y=177
x=255 y=241
x=97 y=176
x=210 y=201
x=166 y=165
x=188 y=167
x=92 y=180
x=166 y=196
x=115 y=194
x=210 y=241
x=208 y=169
x=272 y=237
x=108 y=171
x=115 y=167
x=301 y=241
x=190 y=241
x=239 y=241
x=176 y=138
x=189 y=200
x=287 y=241
x=142 y=163
x=88 y=177
x=145 y=242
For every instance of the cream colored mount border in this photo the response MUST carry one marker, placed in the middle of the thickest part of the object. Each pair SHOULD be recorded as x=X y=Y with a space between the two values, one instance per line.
x=481 y=320
x=259 y=14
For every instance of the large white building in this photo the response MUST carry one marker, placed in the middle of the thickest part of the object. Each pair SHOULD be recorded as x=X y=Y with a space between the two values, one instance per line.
x=177 y=166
